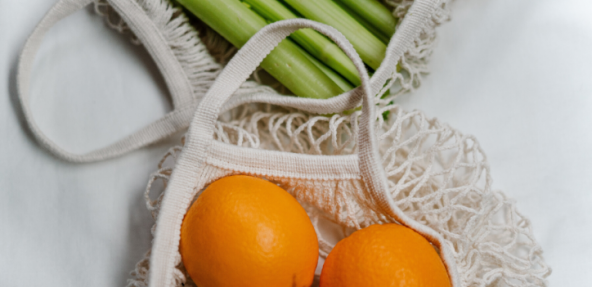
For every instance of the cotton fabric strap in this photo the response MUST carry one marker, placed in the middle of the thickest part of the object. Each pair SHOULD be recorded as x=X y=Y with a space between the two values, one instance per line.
x=175 y=78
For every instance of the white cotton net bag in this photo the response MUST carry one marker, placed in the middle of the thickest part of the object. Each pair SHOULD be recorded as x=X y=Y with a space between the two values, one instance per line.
x=376 y=165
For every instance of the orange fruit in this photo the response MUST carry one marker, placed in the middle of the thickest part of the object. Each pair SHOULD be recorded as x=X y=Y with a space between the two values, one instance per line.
x=384 y=255
x=246 y=231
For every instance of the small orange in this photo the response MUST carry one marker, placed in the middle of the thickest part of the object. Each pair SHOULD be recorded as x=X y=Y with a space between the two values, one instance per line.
x=388 y=255
x=246 y=231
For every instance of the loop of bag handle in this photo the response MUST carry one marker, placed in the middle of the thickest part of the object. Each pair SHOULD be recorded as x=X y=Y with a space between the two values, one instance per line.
x=175 y=78
x=248 y=58
x=177 y=81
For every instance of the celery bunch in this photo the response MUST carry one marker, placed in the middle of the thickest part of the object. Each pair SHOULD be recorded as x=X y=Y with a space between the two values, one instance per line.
x=308 y=63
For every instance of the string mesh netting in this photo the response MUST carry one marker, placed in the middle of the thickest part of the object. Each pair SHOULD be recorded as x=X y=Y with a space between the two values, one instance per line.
x=437 y=176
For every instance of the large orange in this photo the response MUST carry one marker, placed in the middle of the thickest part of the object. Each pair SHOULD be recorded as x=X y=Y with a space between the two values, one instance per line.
x=388 y=255
x=246 y=231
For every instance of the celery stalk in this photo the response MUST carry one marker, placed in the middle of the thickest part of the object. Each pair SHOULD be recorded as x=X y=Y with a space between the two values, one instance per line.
x=340 y=81
x=365 y=23
x=286 y=63
x=375 y=13
x=371 y=49
x=313 y=42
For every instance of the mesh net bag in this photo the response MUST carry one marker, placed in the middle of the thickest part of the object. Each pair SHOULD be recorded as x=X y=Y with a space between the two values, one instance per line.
x=376 y=165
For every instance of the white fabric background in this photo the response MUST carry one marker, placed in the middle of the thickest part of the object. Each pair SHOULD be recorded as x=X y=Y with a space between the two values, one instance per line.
x=514 y=73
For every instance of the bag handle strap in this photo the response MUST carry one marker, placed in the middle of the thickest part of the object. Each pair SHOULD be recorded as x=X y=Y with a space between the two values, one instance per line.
x=172 y=71
x=201 y=129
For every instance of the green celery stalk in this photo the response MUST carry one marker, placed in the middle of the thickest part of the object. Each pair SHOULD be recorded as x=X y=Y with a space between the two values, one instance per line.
x=287 y=62
x=385 y=39
x=375 y=13
x=313 y=42
x=371 y=49
x=340 y=81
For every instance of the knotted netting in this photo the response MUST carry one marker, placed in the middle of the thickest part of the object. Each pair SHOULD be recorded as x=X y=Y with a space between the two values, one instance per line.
x=437 y=175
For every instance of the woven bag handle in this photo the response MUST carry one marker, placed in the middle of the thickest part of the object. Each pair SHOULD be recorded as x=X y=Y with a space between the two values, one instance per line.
x=174 y=75
x=240 y=67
